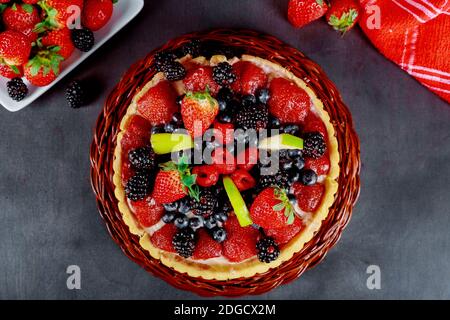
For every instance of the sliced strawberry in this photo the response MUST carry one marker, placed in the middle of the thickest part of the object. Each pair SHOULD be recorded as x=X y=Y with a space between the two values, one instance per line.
x=206 y=247
x=201 y=79
x=223 y=160
x=320 y=166
x=162 y=238
x=241 y=241
x=158 y=104
x=264 y=209
x=308 y=197
x=207 y=175
x=243 y=180
x=249 y=78
x=288 y=102
x=127 y=171
x=247 y=159
x=137 y=134
x=223 y=132
x=285 y=234
x=313 y=123
x=147 y=211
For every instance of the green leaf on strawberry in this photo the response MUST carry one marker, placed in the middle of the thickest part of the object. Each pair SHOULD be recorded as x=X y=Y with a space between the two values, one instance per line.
x=187 y=179
x=344 y=22
x=285 y=205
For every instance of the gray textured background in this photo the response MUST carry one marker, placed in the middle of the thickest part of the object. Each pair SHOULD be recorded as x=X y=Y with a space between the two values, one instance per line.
x=48 y=215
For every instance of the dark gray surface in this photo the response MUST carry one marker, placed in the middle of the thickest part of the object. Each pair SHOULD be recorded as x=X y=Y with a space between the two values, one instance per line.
x=49 y=219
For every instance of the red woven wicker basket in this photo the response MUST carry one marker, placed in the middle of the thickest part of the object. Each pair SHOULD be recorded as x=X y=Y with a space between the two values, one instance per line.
x=270 y=48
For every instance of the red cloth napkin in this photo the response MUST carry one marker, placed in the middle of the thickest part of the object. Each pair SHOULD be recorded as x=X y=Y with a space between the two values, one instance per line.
x=415 y=34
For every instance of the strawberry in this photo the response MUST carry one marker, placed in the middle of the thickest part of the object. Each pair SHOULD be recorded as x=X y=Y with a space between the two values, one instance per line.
x=249 y=78
x=241 y=241
x=272 y=209
x=288 y=102
x=201 y=79
x=314 y=124
x=127 y=172
x=10 y=72
x=247 y=159
x=223 y=160
x=206 y=247
x=223 y=132
x=62 y=39
x=302 y=12
x=207 y=175
x=137 y=134
x=147 y=211
x=174 y=182
x=162 y=238
x=158 y=104
x=243 y=180
x=286 y=233
x=15 y=48
x=44 y=67
x=308 y=197
x=320 y=166
x=343 y=15
x=96 y=13
x=198 y=110
x=22 y=18
x=30 y=1
x=58 y=14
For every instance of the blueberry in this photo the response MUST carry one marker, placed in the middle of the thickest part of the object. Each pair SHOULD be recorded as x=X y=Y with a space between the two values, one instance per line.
x=210 y=222
x=168 y=217
x=225 y=117
x=196 y=222
x=184 y=206
x=293 y=175
x=169 y=128
x=157 y=129
x=248 y=99
x=221 y=216
x=299 y=163
x=222 y=105
x=177 y=119
x=219 y=234
x=292 y=129
x=275 y=123
x=263 y=95
x=308 y=177
x=294 y=153
x=171 y=207
x=286 y=165
x=181 y=221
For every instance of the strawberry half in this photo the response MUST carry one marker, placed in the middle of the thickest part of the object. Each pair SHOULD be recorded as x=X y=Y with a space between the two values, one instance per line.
x=285 y=234
x=314 y=124
x=15 y=48
x=343 y=15
x=174 y=182
x=96 y=13
x=60 y=38
x=241 y=241
x=302 y=12
x=162 y=238
x=308 y=197
x=44 y=67
x=272 y=209
x=58 y=14
x=137 y=134
x=206 y=247
x=320 y=166
x=158 y=104
x=148 y=212
x=249 y=78
x=22 y=18
x=198 y=110
x=288 y=102
x=200 y=79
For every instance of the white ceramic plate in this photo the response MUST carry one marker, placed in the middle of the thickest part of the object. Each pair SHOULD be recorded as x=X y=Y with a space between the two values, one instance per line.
x=124 y=12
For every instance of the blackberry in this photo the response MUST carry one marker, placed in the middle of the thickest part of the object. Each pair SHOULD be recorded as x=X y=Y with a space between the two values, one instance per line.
x=193 y=48
x=314 y=145
x=163 y=59
x=83 y=39
x=277 y=180
x=17 y=89
x=223 y=74
x=263 y=95
x=252 y=117
x=174 y=71
x=184 y=242
x=205 y=204
x=267 y=250
x=75 y=94
x=142 y=158
x=138 y=186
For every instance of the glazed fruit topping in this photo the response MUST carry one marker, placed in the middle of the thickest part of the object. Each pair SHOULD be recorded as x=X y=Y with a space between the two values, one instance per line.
x=241 y=241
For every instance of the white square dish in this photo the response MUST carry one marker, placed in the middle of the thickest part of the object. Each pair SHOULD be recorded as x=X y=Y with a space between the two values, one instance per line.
x=124 y=12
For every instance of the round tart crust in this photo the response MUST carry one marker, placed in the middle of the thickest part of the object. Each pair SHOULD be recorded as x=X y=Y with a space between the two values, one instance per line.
x=216 y=269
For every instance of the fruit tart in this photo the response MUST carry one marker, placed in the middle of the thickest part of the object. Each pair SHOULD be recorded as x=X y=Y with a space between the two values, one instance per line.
x=225 y=167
